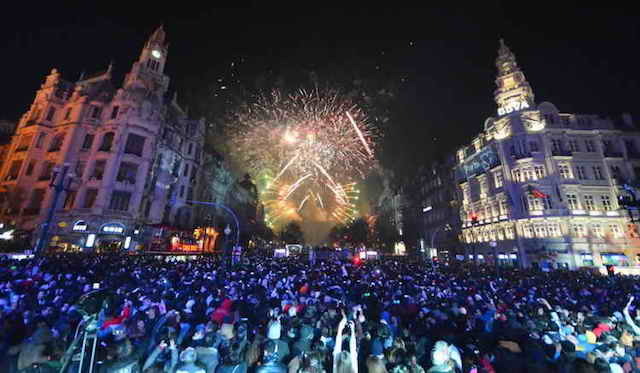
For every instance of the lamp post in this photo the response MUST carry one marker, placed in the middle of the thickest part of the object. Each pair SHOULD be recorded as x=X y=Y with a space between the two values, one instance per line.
x=445 y=227
x=60 y=182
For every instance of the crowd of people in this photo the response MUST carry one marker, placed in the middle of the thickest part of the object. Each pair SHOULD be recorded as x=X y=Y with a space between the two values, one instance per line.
x=277 y=315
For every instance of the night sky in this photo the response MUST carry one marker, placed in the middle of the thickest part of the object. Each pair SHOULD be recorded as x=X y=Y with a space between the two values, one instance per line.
x=440 y=61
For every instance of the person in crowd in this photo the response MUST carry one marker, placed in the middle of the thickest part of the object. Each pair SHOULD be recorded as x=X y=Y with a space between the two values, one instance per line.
x=317 y=314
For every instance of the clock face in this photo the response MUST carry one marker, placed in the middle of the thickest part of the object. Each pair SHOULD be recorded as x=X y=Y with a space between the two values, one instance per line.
x=156 y=53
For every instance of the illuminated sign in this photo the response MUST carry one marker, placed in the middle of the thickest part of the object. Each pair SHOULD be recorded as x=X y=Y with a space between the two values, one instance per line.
x=91 y=239
x=427 y=209
x=113 y=228
x=80 y=226
x=512 y=106
x=127 y=242
x=479 y=163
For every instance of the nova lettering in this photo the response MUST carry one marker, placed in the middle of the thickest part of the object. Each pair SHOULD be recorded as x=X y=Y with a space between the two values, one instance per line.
x=513 y=106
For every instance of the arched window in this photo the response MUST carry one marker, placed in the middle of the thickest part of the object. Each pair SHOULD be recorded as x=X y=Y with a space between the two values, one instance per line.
x=107 y=142
x=56 y=143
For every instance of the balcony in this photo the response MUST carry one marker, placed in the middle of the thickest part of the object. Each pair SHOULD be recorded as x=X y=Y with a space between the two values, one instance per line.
x=612 y=154
x=521 y=155
x=561 y=153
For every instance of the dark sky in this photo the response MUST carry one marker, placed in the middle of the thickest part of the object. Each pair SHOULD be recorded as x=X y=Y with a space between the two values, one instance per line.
x=582 y=60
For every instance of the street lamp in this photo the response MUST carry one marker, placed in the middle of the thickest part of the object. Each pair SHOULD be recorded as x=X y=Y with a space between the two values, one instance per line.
x=61 y=181
x=445 y=227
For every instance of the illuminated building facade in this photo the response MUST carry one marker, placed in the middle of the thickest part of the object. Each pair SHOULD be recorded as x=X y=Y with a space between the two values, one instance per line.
x=128 y=151
x=540 y=187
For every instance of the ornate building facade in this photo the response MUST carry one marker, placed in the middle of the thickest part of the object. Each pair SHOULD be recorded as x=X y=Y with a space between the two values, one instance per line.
x=540 y=187
x=133 y=158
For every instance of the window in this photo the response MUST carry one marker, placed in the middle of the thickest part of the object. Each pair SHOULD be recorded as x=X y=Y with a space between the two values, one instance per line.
x=573 y=146
x=533 y=146
x=30 y=167
x=590 y=146
x=47 y=171
x=539 y=172
x=88 y=141
x=90 y=197
x=14 y=171
x=630 y=145
x=597 y=173
x=67 y=114
x=95 y=111
x=120 y=200
x=80 y=166
x=554 y=230
x=185 y=172
x=527 y=173
x=40 y=141
x=190 y=148
x=578 y=230
x=499 y=179
x=607 y=145
x=69 y=200
x=556 y=145
x=37 y=196
x=564 y=171
x=25 y=142
x=615 y=172
x=596 y=230
x=50 y=114
x=197 y=155
x=182 y=191
x=56 y=143
x=176 y=168
x=190 y=195
x=127 y=172
x=615 y=230
x=98 y=169
x=541 y=230
x=606 y=203
x=581 y=172
x=528 y=231
x=509 y=232
x=503 y=207
x=534 y=203
x=547 y=203
x=589 y=204
x=517 y=176
x=114 y=112
x=107 y=142
x=135 y=144
x=572 y=200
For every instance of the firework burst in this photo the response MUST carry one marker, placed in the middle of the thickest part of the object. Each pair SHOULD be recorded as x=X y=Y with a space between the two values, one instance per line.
x=311 y=148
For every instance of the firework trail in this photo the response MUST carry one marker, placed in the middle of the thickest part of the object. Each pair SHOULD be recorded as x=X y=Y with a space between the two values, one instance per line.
x=318 y=144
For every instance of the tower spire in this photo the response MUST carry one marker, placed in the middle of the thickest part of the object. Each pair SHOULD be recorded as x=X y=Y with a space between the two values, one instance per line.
x=513 y=91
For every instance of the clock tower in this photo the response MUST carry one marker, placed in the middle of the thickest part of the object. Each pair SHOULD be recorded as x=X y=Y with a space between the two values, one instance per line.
x=148 y=71
x=513 y=91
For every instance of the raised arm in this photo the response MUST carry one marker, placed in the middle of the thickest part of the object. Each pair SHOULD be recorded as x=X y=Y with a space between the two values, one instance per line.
x=353 y=352
x=337 y=348
x=629 y=319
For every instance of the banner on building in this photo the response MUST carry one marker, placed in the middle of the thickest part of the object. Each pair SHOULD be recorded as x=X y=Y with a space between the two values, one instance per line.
x=478 y=163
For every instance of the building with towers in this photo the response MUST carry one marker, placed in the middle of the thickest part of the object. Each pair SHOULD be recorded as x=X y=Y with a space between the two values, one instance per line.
x=540 y=187
x=132 y=156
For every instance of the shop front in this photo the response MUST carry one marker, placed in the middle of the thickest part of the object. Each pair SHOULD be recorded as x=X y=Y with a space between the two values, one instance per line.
x=98 y=236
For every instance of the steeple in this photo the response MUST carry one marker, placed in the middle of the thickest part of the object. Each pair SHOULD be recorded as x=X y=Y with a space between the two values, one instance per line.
x=148 y=71
x=513 y=91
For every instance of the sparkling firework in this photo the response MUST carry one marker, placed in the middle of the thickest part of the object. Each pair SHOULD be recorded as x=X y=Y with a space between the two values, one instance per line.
x=317 y=143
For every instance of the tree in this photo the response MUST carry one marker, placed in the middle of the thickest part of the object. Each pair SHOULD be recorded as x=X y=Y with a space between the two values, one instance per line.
x=292 y=233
